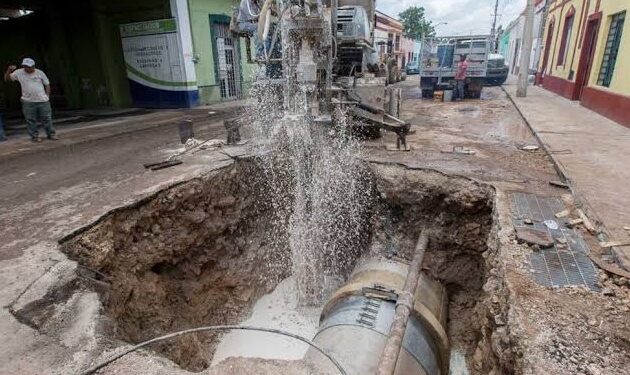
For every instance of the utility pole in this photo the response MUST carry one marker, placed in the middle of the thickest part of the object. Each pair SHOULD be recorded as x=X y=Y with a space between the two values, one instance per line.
x=526 y=50
x=494 y=27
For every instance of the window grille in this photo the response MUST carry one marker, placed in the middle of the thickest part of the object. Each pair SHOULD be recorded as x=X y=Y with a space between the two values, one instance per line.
x=611 y=49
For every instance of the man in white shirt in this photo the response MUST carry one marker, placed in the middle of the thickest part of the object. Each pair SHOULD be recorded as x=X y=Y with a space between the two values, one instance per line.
x=35 y=97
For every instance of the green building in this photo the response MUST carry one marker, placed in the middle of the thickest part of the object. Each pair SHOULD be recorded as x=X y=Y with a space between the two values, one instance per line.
x=121 y=53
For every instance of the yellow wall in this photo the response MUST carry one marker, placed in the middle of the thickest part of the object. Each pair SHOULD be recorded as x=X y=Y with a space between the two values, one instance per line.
x=621 y=77
x=571 y=59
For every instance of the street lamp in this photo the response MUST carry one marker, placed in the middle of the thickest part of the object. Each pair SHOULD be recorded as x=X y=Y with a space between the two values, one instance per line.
x=440 y=24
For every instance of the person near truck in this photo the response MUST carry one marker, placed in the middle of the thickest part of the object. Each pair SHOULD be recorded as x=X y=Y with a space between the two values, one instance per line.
x=35 y=97
x=460 y=76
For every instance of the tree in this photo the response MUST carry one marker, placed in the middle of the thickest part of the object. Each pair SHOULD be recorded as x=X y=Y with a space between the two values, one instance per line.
x=415 y=25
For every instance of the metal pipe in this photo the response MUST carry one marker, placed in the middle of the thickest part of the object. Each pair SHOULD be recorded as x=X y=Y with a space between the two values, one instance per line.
x=404 y=304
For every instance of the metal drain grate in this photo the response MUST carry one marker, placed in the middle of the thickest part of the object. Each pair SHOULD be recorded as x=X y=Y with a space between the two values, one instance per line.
x=555 y=267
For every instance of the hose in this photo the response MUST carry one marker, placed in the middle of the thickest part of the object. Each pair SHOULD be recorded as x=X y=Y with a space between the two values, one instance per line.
x=100 y=365
x=265 y=16
x=249 y=9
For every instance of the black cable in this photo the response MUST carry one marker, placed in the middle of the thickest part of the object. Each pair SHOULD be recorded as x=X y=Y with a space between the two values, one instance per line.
x=100 y=365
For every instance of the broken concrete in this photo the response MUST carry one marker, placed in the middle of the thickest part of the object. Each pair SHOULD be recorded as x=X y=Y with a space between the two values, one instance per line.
x=534 y=237
x=505 y=322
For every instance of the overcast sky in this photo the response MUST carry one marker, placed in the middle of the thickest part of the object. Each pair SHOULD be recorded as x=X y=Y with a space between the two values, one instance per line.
x=463 y=16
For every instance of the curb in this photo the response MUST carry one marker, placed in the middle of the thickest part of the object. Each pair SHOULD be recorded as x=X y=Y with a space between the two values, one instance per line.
x=556 y=164
x=87 y=139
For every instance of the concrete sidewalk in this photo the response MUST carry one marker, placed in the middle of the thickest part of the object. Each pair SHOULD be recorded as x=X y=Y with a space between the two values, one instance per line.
x=592 y=152
x=124 y=123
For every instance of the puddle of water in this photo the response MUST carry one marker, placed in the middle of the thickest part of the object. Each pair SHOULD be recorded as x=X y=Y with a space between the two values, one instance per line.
x=458 y=363
x=280 y=310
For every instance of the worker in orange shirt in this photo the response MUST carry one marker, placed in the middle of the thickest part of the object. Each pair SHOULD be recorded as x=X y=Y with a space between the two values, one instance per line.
x=460 y=76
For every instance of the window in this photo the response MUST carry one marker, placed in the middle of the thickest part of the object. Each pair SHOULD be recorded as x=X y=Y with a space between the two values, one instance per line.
x=611 y=49
x=566 y=37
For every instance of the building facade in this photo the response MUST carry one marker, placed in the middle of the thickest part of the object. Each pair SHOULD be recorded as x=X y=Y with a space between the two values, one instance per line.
x=388 y=37
x=586 y=55
x=511 y=42
x=119 y=53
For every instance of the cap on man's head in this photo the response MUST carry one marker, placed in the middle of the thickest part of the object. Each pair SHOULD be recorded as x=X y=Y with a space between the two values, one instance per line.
x=28 y=62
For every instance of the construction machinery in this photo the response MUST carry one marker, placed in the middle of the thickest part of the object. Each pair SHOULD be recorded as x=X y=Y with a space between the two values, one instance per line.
x=321 y=57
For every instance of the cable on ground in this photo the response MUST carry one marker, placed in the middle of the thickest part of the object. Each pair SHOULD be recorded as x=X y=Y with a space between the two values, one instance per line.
x=106 y=362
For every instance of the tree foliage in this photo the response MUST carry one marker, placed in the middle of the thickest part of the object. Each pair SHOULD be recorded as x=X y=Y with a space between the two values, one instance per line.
x=415 y=25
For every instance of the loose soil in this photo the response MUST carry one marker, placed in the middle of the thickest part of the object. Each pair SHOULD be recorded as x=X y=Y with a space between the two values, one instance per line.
x=203 y=252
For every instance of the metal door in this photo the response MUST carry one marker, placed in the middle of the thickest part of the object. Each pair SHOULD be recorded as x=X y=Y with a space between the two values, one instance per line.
x=228 y=62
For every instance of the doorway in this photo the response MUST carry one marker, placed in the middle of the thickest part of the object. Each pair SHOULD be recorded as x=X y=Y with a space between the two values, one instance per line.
x=586 y=57
x=543 y=70
x=227 y=61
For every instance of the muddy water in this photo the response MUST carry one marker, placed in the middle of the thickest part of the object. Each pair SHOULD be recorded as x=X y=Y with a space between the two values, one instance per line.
x=281 y=310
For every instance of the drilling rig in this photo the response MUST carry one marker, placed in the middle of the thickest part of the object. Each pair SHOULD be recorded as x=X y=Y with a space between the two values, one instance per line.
x=323 y=58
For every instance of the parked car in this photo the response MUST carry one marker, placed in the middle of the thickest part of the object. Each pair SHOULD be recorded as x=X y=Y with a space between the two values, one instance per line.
x=497 y=70
x=412 y=68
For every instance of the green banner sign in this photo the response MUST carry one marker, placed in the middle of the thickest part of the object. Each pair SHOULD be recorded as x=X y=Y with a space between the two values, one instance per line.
x=148 y=28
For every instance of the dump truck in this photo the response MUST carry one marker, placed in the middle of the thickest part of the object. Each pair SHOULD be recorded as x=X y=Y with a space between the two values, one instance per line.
x=438 y=63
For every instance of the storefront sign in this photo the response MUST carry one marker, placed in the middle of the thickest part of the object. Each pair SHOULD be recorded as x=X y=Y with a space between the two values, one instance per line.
x=154 y=63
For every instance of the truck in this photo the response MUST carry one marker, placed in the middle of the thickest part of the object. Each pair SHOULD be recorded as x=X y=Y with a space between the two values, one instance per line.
x=438 y=63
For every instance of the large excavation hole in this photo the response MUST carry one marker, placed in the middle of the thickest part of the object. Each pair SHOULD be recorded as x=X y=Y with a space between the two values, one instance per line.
x=203 y=252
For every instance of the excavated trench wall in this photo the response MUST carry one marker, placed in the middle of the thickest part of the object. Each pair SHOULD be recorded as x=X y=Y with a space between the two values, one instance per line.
x=202 y=252
x=195 y=254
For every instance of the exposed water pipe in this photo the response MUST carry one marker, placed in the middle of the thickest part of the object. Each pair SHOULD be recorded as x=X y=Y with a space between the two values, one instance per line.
x=404 y=305
x=356 y=321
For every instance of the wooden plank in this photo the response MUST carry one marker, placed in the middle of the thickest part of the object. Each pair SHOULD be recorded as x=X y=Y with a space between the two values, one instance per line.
x=559 y=184
x=587 y=223
x=614 y=243
x=560 y=214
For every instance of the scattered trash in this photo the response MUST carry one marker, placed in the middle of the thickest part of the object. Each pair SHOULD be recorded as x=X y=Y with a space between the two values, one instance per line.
x=614 y=244
x=626 y=228
x=212 y=112
x=162 y=164
x=530 y=148
x=551 y=224
x=31 y=174
x=559 y=184
x=460 y=150
x=562 y=214
x=528 y=221
x=534 y=237
x=191 y=142
x=587 y=223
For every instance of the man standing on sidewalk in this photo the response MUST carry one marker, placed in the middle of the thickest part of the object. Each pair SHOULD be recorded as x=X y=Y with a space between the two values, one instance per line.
x=35 y=97
x=460 y=76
